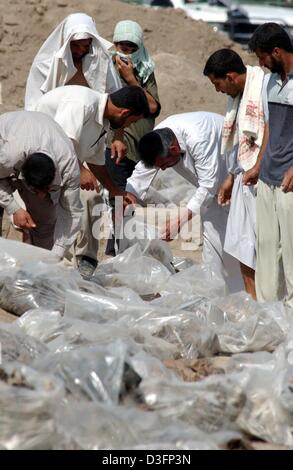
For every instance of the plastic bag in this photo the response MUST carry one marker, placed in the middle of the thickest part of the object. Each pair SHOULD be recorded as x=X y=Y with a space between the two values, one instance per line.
x=247 y=325
x=100 y=427
x=27 y=401
x=36 y=285
x=199 y=279
x=144 y=274
x=267 y=412
x=264 y=416
x=44 y=325
x=19 y=347
x=14 y=254
x=104 y=309
x=212 y=404
x=147 y=237
x=182 y=330
x=92 y=373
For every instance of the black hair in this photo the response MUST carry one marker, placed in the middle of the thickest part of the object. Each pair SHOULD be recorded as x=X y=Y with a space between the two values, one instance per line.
x=155 y=144
x=268 y=36
x=222 y=62
x=38 y=171
x=133 y=98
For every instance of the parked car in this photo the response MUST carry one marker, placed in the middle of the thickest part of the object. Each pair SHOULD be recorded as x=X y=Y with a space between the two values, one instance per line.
x=239 y=19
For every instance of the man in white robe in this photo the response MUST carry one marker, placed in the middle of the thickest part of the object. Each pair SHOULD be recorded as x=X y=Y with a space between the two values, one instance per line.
x=75 y=54
x=85 y=116
x=244 y=135
x=190 y=143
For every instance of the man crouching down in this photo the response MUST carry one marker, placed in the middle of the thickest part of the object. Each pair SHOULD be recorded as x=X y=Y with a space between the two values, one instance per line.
x=39 y=160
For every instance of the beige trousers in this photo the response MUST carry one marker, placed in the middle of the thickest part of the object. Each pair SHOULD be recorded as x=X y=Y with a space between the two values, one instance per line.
x=274 y=246
x=87 y=242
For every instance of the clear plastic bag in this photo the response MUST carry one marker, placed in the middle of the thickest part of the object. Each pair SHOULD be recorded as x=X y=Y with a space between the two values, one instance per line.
x=212 y=404
x=36 y=285
x=43 y=325
x=169 y=187
x=144 y=274
x=104 y=309
x=27 y=401
x=264 y=416
x=147 y=237
x=148 y=366
x=247 y=325
x=16 y=346
x=267 y=413
x=180 y=263
x=199 y=279
x=14 y=254
x=100 y=427
x=143 y=320
x=91 y=373
x=182 y=330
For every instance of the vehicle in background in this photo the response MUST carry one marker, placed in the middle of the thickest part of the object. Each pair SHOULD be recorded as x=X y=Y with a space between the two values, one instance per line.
x=238 y=19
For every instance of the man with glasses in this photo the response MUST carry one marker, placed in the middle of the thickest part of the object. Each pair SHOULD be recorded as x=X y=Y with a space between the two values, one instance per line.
x=39 y=160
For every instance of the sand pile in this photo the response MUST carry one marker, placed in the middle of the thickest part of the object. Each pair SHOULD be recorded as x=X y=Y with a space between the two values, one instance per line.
x=178 y=45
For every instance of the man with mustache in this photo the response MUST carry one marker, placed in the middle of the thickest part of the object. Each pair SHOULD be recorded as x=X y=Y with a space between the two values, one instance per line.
x=244 y=137
x=274 y=206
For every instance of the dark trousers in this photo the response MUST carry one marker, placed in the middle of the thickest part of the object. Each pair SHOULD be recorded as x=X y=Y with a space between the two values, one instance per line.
x=119 y=174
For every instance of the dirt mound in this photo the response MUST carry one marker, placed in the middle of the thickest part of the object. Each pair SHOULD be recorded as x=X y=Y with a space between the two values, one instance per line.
x=178 y=45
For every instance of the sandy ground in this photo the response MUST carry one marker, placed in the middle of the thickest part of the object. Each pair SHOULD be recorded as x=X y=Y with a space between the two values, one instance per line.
x=179 y=46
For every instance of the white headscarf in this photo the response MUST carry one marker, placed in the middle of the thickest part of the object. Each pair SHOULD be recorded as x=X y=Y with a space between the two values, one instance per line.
x=53 y=65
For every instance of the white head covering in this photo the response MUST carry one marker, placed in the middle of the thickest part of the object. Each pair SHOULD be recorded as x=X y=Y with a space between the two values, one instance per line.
x=53 y=65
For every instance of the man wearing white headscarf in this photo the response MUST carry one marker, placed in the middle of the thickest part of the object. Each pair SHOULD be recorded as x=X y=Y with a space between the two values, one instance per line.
x=135 y=67
x=74 y=54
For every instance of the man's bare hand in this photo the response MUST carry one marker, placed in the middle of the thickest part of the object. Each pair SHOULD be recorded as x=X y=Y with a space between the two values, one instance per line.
x=22 y=219
x=129 y=199
x=126 y=206
x=250 y=177
x=225 y=191
x=87 y=180
x=173 y=226
x=287 y=183
x=126 y=70
x=118 y=150
x=171 y=229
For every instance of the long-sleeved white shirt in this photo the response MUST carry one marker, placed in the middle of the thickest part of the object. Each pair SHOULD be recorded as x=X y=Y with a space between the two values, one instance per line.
x=80 y=113
x=23 y=133
x=199 y=138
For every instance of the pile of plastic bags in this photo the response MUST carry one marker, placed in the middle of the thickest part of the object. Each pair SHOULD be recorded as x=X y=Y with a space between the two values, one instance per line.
x=87 y=364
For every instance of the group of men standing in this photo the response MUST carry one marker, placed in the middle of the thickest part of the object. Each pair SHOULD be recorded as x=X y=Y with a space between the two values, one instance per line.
x=90 y=112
